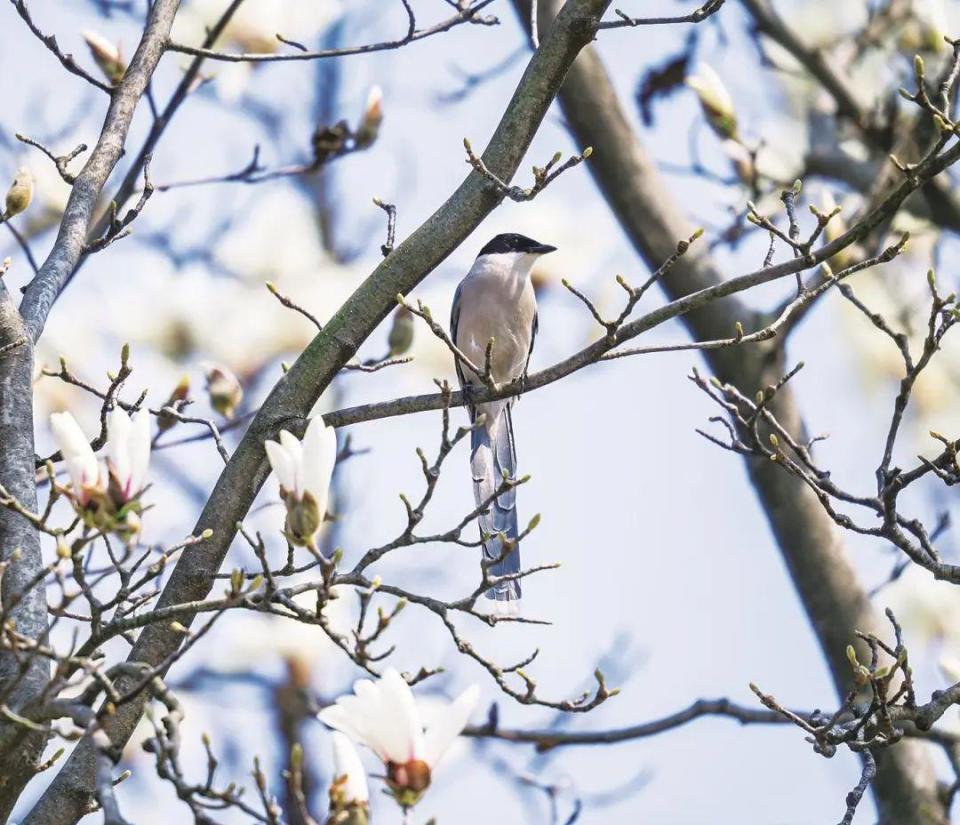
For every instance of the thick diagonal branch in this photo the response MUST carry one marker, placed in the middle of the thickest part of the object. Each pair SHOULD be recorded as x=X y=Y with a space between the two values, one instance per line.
x=67 y=797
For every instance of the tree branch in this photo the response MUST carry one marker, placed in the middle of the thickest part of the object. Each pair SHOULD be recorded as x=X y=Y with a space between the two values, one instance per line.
x=905 y=786
x=467 y=14
x=66 y=798
x=20 y=594
x=71 y=242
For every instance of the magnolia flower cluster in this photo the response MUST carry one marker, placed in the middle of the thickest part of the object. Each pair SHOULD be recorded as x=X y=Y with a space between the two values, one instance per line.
x=304 y=469
x=107 y=497
x=384 y=716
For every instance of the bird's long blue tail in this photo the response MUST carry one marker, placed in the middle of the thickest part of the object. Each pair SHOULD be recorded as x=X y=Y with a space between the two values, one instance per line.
x=493 y=456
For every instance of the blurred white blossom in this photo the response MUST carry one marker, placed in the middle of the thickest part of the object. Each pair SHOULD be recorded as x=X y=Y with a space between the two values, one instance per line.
x=927 y=609
x=349 y=796
x=715 y=100
x=253 y=28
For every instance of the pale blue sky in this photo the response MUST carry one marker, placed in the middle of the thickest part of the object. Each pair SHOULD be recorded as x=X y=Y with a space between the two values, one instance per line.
x=659 y=533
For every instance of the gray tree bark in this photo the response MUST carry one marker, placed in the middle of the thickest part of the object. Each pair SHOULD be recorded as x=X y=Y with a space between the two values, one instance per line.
x=24 y=601
x=17 y=471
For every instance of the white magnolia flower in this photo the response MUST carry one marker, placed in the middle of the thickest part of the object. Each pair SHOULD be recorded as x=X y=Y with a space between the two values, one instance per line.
x=350 y=779
x=715 y=100
x=383 y=715
x=304 y=469
x=107 y=499
x=128 y=451
x=81 y=461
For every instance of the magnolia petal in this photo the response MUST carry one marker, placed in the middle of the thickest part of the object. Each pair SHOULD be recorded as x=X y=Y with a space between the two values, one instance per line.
x=81 y=460
x=346 y=762
x=295 y=451
x=118 y=445
x=319 y=458
x=449 y=725
x=337 y=718
x=139 y=448
x=708 y=85
x=387 y=739
x=282 y=464
x=78 y=476
x=365 y=720
x=405 y=716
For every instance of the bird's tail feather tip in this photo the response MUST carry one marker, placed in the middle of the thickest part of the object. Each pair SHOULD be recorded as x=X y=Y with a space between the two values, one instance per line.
x=506 y=608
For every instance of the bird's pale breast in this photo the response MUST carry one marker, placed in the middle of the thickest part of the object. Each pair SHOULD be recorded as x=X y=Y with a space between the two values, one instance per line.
x=499 y=307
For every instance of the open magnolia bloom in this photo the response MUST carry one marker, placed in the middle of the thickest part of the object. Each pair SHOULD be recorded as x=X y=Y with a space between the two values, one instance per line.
x=304 y=469
x=349 y=796
x=383 y=715
x=108 y=500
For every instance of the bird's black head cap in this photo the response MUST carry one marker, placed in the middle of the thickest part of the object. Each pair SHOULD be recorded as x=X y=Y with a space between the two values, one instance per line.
x=512 y=242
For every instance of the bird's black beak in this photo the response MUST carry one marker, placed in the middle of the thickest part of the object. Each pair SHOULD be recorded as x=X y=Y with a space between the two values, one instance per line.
x=543 y=249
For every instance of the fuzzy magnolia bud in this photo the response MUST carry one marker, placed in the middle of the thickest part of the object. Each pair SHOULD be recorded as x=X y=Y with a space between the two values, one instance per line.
x=741 y=158
x=224 y=389
x=19 y=194
x=408 y=781
x=715 y=101
x=106 y=55
x=372 y=118
x=303 y=520
x=401 y=333
x=175 y=401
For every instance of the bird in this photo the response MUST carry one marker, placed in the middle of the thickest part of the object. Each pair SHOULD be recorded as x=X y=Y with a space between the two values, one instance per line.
x=496 y=300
